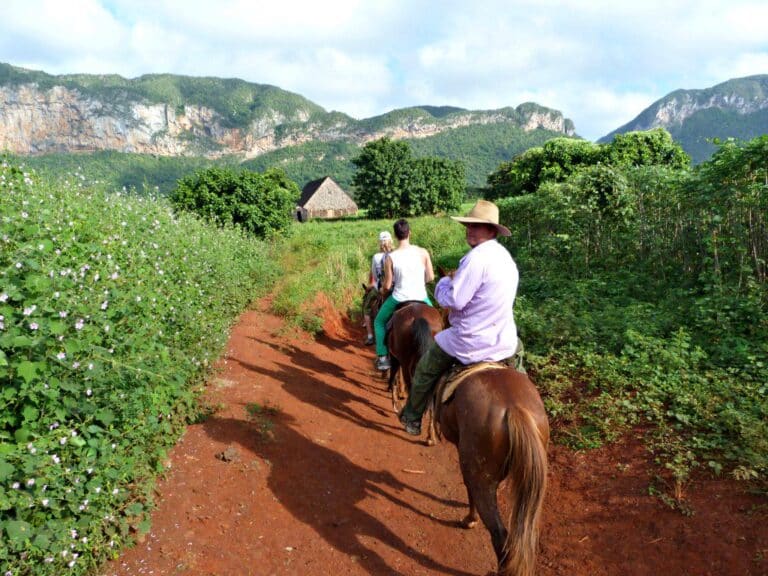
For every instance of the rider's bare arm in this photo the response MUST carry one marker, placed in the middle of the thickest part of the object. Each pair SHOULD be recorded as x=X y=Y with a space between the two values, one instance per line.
x=429 y=273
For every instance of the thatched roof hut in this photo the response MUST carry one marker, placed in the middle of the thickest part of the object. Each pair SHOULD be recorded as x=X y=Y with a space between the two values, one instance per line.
x=323 y=198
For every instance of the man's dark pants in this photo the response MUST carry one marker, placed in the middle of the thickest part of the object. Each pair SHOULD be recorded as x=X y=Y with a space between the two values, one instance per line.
x=431 y=366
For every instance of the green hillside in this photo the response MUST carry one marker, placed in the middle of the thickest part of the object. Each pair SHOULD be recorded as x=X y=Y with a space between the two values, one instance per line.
x=238 y=102
x=696 y=133
x=736 y=109
x=482 y=148
x=480 y=139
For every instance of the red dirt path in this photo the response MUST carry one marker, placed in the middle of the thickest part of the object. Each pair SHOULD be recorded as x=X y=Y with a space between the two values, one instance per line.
x=328 y=484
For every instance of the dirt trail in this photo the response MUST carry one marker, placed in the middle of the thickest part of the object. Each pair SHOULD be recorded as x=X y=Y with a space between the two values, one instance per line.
x=322 y=481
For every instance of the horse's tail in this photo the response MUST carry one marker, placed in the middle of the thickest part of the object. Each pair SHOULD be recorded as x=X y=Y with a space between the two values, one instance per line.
x=527 y=465
x=422 y=333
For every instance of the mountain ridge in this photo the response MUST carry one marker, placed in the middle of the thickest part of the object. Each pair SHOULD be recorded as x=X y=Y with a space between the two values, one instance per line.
x=736 y=108
x=175 y=115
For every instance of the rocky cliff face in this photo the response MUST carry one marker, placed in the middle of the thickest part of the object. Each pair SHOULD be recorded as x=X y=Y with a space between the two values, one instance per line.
x=62 y=119
x=741 y=96
x=676 y=110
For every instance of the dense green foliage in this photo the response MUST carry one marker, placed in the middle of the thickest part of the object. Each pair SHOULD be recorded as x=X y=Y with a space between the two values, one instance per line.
x=112 y=309
x=390 y=182
x=644 y=290
x=558 y=159
x=642 y=305
x=260 y=204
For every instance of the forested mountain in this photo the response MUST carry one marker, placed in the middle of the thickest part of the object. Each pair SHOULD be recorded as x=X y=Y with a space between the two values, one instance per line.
x=737 y=109
x=233 y=120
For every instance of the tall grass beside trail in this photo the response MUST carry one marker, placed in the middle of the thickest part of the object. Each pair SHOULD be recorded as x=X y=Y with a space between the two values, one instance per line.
x=331 y=259
x=112 y=310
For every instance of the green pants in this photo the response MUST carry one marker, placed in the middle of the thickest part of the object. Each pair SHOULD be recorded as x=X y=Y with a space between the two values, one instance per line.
x=380 y=323
x=431 y=366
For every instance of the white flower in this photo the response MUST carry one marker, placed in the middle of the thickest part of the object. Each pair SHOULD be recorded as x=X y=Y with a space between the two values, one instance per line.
x=106 y=328
x=3 y=297
x=63 y=314
x=88 y=392
x=104 y=304
x=33 y=326
x=30 y=310
x=61 y=355
x=79 y=324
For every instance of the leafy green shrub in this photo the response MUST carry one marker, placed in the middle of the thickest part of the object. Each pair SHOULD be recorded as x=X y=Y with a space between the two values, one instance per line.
x=112 y=309
x=261 y=204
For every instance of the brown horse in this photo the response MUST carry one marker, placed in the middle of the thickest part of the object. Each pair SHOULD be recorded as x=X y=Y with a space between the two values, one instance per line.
x=497 y=421
x=414 y=325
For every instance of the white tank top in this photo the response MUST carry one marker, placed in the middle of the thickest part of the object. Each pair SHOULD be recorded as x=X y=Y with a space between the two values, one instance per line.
x=409 y=273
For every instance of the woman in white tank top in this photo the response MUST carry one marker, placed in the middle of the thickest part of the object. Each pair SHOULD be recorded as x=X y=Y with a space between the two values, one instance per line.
x=406 y=271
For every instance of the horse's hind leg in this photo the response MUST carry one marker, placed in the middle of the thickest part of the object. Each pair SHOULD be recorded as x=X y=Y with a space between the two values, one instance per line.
x=431 y=432
x=483 y=501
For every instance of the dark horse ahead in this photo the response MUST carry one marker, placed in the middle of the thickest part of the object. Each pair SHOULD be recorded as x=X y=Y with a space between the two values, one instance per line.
x=496 y=419
x=414 y=325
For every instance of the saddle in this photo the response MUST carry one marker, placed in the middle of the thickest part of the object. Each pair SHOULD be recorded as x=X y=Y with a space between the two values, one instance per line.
x=448 y=383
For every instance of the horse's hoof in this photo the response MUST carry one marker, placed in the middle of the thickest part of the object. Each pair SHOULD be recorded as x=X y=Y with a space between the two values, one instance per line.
x=468 y=523
x=430 y=442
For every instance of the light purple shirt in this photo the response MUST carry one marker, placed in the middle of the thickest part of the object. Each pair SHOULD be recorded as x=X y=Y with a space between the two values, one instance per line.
x=481 y=296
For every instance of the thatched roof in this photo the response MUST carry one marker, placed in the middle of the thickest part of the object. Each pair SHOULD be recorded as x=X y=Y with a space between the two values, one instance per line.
x=326 y=197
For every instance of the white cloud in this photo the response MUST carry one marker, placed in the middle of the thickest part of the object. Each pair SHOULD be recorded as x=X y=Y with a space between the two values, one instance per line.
x=599 y=62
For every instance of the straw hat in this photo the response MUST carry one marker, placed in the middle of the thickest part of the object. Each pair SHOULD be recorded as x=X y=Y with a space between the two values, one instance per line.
x=484 y=212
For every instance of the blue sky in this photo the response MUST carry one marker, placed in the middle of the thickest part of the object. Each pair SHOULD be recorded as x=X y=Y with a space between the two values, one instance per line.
x=599 y=62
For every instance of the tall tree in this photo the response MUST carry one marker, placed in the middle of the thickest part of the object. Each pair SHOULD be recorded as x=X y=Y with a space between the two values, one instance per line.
x=390 y=182
x=382 y=177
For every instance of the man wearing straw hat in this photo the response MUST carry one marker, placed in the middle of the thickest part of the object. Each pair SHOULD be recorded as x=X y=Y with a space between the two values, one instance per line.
x=480 y=297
